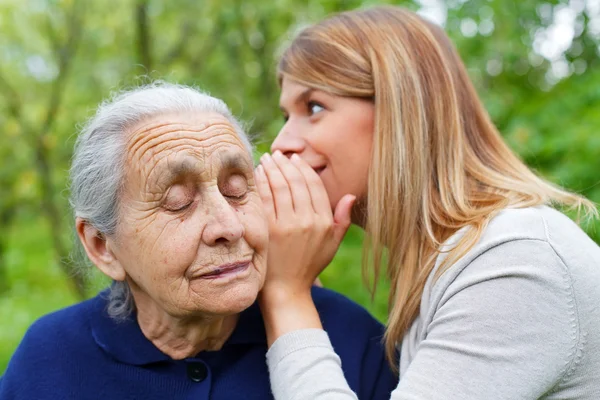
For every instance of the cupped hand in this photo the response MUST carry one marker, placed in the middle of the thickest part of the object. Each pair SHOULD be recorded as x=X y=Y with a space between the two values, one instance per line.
x=304 y=233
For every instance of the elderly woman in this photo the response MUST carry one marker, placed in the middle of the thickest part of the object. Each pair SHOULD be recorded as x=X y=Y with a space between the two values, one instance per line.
x=166 y=206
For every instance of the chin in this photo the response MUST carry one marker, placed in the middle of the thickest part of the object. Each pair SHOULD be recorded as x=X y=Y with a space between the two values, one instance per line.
x=232 y=301
x=333 y=199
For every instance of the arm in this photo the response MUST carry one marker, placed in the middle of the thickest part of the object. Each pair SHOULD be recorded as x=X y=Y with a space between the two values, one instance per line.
x=506 y=327
x=376 y=380
x=304 y=235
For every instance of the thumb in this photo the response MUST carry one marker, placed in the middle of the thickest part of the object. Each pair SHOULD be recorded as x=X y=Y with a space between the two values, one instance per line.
x=341 y=216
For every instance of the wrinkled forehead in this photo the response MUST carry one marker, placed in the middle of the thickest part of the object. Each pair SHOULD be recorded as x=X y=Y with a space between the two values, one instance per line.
x=182 y=143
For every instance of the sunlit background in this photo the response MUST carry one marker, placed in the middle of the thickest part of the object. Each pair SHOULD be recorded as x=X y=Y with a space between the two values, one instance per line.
x=535 y=64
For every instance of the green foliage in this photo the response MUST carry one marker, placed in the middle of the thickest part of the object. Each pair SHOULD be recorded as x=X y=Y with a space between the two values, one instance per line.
x=60 y=58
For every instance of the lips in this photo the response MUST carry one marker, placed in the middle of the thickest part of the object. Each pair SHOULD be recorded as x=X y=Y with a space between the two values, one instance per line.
x=225 y=270
x=318 y=170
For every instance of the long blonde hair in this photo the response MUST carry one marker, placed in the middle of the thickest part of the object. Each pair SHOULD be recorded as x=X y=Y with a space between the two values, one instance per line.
x=438 y=162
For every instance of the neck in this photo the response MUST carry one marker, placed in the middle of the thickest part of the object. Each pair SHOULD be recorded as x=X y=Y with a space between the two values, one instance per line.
x=358 y=214
x=179 y=337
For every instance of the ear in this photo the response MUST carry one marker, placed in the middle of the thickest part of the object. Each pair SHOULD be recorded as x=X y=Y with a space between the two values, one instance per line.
x=98 y=250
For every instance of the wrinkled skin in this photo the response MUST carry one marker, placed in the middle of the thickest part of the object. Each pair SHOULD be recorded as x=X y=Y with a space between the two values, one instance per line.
x=190 y=205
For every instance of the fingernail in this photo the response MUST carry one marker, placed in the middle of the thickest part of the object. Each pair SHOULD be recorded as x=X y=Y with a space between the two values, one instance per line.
x=295 y=157
x=266 y=157
x=277 y=154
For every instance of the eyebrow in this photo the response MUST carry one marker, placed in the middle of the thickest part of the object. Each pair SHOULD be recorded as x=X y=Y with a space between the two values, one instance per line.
x=187 y=167
x=183 y=167
x=302 y=97
x=177 y=170
x=234 y=161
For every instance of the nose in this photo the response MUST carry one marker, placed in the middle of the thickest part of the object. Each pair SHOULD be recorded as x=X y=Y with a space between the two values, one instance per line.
x=287 y=142
x=224 y=225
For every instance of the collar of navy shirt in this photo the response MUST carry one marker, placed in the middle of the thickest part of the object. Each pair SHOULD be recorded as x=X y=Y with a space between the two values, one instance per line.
x=125 y=342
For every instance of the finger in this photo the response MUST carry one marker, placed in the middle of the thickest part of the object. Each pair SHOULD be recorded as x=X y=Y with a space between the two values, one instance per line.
x=298 y=188
x=342 y=216
x=318 y=194
x=264 y=190
x=282 y=197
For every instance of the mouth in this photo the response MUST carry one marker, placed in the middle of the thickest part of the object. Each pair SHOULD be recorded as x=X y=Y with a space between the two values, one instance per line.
x=225 y=270
x=318 y=170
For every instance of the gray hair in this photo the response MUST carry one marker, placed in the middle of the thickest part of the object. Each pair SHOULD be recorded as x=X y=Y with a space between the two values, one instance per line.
x=98 y=165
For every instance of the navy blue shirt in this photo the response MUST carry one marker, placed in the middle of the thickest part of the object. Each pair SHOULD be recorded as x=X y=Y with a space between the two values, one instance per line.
x=81 y=353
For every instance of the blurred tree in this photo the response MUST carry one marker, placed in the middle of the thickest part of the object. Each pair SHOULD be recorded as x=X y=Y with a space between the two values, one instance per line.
x=36 y=132
x=534 y=63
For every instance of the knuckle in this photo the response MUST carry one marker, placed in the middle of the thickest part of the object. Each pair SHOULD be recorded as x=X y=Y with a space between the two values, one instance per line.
x=277 y=230
x=285 y=228
x=306 y=226
x=326 y=224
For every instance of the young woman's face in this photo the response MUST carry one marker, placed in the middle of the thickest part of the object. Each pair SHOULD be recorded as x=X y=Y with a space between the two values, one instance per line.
x=333 y=134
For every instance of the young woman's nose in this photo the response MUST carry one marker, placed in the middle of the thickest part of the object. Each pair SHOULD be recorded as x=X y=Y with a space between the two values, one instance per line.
x=288 y=142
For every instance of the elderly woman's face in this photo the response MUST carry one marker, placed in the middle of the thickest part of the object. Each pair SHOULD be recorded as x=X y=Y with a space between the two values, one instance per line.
x=192 y=236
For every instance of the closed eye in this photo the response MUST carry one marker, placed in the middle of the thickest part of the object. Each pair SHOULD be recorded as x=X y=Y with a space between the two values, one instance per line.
x=237 y=198
x=235 y=187
x=179 y=197
x=180 y=208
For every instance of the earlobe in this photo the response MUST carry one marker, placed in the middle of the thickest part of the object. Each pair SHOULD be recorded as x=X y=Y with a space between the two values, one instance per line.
x=98 y=250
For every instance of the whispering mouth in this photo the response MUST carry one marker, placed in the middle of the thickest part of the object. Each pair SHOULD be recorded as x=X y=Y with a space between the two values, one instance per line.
x=319 y=170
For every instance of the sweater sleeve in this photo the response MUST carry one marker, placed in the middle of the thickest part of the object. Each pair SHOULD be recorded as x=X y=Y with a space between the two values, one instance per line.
x=505 y=327
x=303 y=365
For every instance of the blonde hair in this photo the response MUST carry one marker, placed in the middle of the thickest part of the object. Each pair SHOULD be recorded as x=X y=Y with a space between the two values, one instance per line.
x=438 y=162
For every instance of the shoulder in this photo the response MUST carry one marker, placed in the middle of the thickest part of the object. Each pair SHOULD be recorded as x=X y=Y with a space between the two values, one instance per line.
x=525 y=232
x=523 y=257
x=47 y=336
x=333 y=305
x=54 y=339
x=341 y=315
x=541 y=223
x=508 y=225
x=514 y=257
x=62 y=324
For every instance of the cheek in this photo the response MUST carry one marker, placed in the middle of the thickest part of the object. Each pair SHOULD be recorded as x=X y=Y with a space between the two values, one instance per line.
x=179 y=241
x=166 y=247
x=345 y=139
x=255 y=225
x=349 y=157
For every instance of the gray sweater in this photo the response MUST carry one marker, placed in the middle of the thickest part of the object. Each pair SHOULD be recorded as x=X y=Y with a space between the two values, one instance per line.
x=518 y=317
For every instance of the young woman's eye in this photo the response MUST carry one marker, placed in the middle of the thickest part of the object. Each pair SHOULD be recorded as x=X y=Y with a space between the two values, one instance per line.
x=314 y=108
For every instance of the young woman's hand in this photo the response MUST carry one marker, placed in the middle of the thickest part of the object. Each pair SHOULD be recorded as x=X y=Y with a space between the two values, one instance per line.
x=304 y=233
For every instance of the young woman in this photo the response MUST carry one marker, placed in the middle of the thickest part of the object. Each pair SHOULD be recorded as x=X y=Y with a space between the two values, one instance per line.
x=495 y=295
